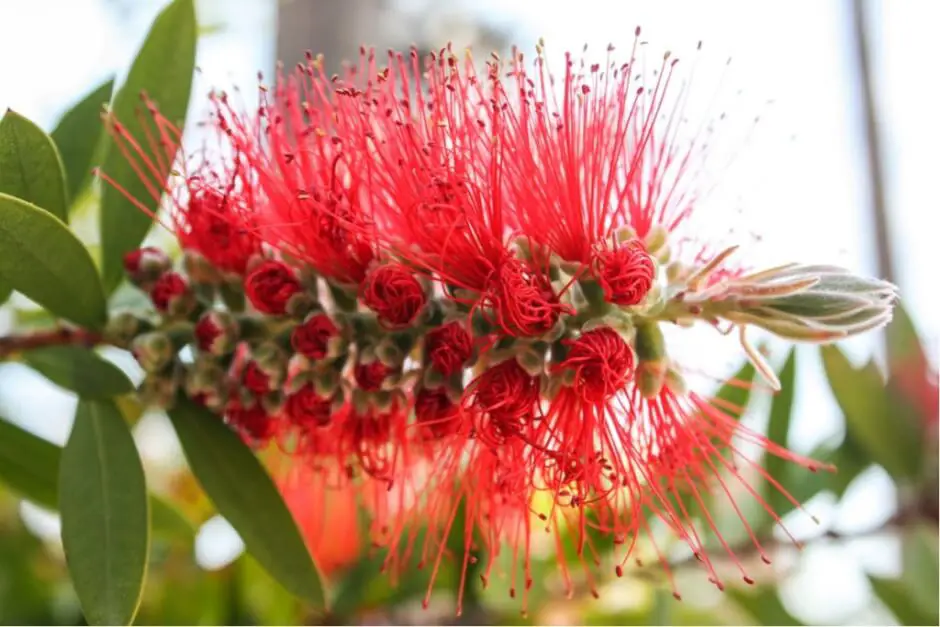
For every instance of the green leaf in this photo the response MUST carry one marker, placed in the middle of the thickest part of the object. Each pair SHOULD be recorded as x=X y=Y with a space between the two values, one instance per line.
x=105 y=515
x=921 y=575
x=893 y=593
x=29 y=465
x=164 y=70
x=44 y=261
x=78 y=135
x=30 y=167
x=905 y=349
x=860 y=392
x=263 y=598
x=764 y=605
x=80 y=370
x=245 y=495
x=778 y=428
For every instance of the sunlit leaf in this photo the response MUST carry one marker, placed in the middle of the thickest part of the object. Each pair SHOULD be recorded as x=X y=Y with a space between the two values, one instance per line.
x=30 y=167
x=246 y=496
x=79 y=134
x=43 y=260
x=164 y=70
x=105 y=516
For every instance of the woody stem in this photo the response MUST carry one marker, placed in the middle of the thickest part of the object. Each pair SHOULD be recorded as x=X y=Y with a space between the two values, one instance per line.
x=12 y=344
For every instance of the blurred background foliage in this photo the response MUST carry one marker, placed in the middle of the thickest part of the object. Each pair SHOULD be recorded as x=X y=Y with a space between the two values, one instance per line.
x=871 y=409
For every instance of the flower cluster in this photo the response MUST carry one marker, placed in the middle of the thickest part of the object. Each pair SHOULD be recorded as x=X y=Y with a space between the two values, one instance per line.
x=453 y=284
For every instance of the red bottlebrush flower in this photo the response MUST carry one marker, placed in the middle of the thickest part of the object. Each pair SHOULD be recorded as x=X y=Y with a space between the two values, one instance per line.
x=212 y=201
x=270 y=286
x=305 y=408
x=218 y=227
x=602 y=363
x=256 y=380
x=394 y=294
x=252 y=422
x=448 y=347
x=308 y=186
x=505 y=398
x=370 y=376
x=311 y=338
x=171 y=294
x=625 y=273
x=436 y=413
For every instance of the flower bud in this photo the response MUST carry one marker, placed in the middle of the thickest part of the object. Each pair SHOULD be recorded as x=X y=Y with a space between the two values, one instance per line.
x=206 y=384
x=270 y=286
x=216 y=332
x=157 y=391
x=651 y=368
x=394 y=294
x=124 y=327
x=199 y=269
x=153 y=351
x=171 y=295
x=312 y=337
x=306 y=408
x=145 y=265
x=449 y=347
x=626 y=273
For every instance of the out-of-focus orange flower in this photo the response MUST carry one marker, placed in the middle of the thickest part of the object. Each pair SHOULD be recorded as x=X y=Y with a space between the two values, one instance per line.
x=327 y=517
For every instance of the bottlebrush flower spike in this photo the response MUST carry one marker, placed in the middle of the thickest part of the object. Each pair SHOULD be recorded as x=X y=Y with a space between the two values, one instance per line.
x=209 y=200
x=504 y=250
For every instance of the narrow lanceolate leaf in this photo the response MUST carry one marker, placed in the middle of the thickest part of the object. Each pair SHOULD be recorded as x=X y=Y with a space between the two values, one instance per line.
x=164 y=70
x=245 y=495
x=779 y=426
x=78 y=134
x=29 y=465
x=43 y=260
x=861 y=393
x=105 y=517
x=80 y=370
x=30 y=166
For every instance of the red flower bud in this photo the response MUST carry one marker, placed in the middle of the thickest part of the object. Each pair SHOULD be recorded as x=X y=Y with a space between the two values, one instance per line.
x=448 y=348
x=270 y=286
x=370 y=376
x=306 y=409
x=145 y=265
x=394 y=294
x=170 y=294
x=526 y=304
x=256 y=380
x=602 y=362
x=508 y=396
x=626 y=274
x=311 y=339
x=216 y=332
x=253 y=422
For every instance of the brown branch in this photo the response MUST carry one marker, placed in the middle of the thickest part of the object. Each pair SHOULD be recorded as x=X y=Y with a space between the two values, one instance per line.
x=13 y=344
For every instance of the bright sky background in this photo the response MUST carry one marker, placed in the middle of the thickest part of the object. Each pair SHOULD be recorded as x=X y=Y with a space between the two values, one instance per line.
x=801 y=181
